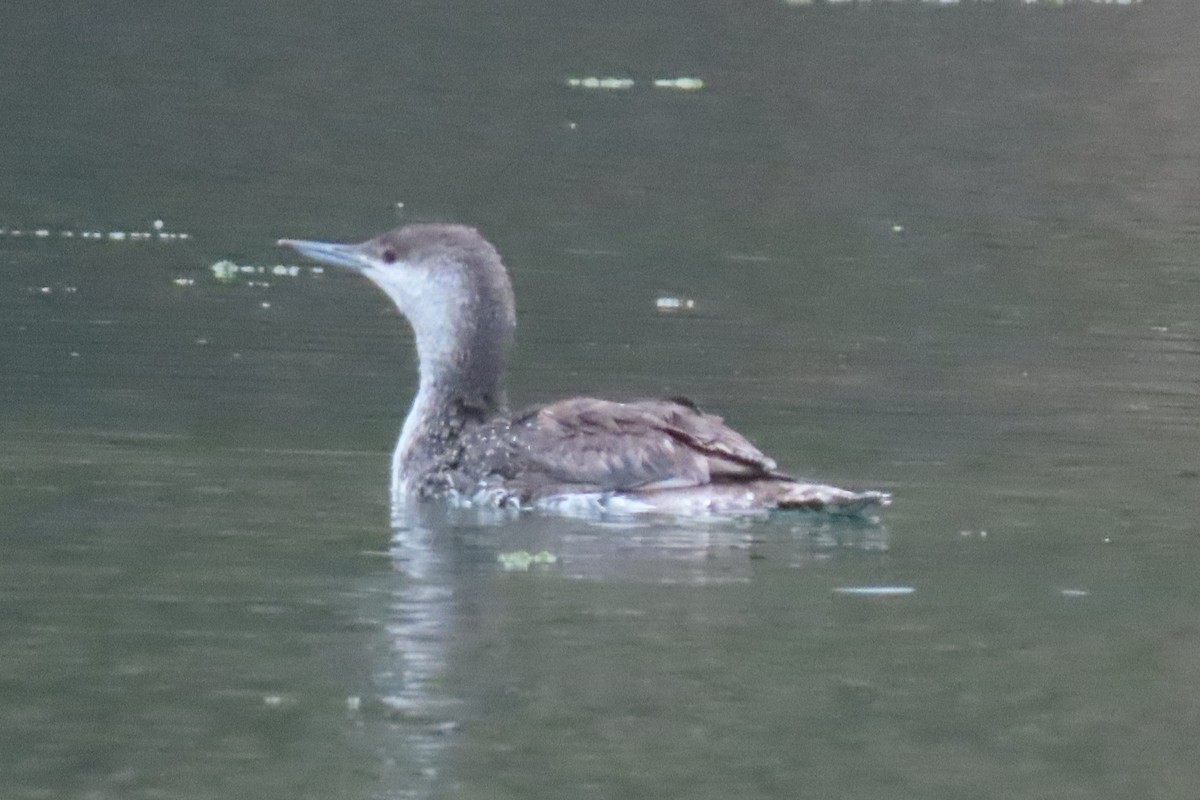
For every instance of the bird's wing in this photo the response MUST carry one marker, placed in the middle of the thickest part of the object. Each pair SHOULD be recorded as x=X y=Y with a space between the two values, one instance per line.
x=652 y=444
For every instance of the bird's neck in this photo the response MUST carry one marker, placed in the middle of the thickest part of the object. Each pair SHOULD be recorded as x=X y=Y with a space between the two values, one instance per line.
x=462 y=373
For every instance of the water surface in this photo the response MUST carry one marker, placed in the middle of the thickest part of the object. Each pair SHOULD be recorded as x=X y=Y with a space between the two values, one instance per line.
x=947 y=252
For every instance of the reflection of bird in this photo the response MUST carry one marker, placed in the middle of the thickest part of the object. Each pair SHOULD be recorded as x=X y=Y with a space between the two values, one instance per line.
x=460 y=441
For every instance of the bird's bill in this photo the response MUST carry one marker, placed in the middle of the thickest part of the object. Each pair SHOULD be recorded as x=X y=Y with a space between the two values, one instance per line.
x=335 y=255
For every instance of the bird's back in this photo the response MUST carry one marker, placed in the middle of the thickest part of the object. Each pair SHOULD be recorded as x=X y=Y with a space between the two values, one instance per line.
x=652 y=455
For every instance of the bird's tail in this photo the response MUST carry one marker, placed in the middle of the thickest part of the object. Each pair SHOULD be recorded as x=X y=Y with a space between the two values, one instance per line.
x=803 y=496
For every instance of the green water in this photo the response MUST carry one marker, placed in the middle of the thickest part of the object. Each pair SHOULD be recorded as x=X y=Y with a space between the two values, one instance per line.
x=946 y=252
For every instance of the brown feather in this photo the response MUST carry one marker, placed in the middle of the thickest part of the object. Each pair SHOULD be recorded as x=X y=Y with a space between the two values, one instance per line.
x=610 y=446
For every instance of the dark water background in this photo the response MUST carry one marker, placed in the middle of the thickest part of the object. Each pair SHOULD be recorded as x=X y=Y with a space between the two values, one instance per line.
x=946 y=251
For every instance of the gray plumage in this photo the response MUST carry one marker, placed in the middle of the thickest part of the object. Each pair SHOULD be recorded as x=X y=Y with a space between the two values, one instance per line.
x=459 y=441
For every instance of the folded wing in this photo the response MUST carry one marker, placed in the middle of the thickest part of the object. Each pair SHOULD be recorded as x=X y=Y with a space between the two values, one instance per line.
x=600 y=445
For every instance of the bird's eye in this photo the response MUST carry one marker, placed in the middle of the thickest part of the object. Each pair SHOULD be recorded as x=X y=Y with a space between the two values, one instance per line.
x=388 y=256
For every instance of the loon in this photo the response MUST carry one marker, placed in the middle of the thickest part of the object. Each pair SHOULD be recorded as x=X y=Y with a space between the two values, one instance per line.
x=461 y=444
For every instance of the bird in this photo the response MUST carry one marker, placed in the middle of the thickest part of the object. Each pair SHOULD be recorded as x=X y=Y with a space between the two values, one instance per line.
x=460 y=443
